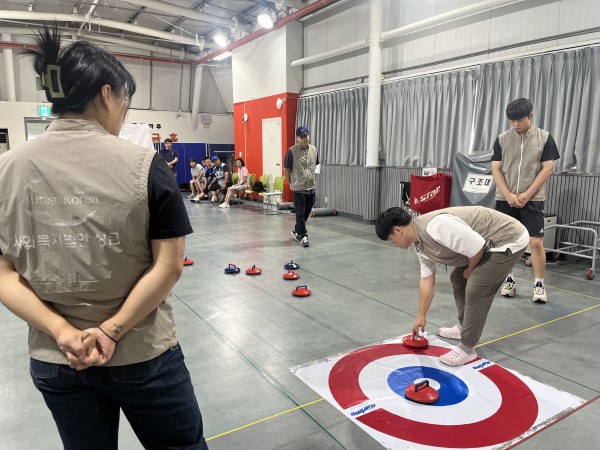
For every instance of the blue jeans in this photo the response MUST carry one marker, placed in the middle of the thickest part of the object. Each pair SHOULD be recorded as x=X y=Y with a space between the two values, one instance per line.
x=156 y=396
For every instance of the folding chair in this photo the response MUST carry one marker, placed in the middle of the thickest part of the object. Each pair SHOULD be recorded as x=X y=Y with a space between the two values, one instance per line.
x=273 y=198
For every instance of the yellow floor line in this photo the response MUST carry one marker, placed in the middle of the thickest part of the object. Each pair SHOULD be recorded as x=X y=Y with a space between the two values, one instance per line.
x=538 y=325
x=265 y=419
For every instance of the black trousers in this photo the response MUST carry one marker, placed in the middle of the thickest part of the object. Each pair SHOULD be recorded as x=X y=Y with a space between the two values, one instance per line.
x=303 y=204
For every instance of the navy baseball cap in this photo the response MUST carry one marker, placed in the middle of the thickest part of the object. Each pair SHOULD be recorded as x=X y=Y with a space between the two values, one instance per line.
x=302 y=131
x=214 y=158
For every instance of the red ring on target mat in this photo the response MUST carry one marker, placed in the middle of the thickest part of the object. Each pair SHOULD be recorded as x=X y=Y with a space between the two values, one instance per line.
x=515 y=415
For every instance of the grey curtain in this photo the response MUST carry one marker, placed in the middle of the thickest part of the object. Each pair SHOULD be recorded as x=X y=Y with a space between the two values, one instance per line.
x=337 y=122
x=426 y=120
x=564 y=88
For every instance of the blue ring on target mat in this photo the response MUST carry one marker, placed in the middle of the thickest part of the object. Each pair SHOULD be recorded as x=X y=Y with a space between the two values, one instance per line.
x=452 y=389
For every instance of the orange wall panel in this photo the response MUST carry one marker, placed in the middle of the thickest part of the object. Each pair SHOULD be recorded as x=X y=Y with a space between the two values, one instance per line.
x=248 y=135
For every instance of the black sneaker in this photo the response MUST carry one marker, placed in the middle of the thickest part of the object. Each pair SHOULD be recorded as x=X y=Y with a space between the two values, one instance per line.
x=296 y=236
x=305 y=241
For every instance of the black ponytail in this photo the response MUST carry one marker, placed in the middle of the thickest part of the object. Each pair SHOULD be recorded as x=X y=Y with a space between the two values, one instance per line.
x=78 y=72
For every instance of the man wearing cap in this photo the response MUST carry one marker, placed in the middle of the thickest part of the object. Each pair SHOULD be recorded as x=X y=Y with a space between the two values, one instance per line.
x=522 y=163
x=171 y=156
x=299 y=167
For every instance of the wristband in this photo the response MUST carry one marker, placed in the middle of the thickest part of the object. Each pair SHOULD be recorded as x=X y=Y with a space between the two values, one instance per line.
x=107 y=335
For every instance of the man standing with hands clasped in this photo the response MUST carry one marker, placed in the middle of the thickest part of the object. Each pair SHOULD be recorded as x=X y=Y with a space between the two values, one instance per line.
x=299 y=167
x=522 y=163
x=171 y=156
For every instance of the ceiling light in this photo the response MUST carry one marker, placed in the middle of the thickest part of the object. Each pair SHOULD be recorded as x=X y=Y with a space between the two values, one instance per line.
x=222 y=56
x=30 y=7
x=74 y=10
x=265 y=20
x=221 y=39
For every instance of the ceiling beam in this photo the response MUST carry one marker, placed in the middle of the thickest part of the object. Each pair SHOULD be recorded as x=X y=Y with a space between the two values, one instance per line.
x=72 y=18
x=187 y=13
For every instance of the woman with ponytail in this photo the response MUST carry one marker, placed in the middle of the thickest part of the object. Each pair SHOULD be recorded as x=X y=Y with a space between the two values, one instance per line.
x=92 y=234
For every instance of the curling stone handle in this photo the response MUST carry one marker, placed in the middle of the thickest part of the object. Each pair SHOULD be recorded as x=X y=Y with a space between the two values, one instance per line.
x=421 y=384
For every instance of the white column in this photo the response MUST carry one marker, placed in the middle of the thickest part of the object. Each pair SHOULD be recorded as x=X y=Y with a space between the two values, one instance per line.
x=9 y=70
x=196 y=95
x=373 y=109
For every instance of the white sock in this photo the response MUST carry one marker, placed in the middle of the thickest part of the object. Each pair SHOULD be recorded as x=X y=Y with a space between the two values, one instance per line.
x=540 y=280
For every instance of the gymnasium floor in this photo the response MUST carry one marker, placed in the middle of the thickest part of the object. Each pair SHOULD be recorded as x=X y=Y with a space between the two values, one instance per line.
x=241 y=334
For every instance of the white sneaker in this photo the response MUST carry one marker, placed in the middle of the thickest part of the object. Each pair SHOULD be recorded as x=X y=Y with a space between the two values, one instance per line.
x=191 y=196
x=509 y=289
x=450 y=333
x=304 y=241
x=539 y=293
x=224 y=205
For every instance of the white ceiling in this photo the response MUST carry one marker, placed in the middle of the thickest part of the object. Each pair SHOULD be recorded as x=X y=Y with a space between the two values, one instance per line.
x=143 y=24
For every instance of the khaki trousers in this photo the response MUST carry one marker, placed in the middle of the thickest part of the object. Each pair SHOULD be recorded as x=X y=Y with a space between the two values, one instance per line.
x=474 y=296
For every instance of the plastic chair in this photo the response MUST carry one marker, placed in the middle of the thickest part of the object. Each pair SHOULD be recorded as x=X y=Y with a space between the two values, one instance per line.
x=234 y=178
x=273 y=198
x=264 y=179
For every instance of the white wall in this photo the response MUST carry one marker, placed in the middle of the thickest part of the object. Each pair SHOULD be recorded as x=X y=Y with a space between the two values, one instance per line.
x=261 y=68
x=330 y=31
x=513 y=24
x=12 y=116
x=161 y=86
x=220 y=130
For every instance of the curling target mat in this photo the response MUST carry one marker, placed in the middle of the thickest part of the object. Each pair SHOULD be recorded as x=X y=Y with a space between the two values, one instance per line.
x=481 y=405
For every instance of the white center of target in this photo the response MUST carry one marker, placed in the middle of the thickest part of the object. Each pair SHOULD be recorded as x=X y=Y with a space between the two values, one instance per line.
x=483 y=400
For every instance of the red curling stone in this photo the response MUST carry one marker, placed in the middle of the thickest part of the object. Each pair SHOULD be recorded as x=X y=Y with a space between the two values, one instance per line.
x=422 y=393
x=413 y=341
x=253 y=271
x=301 y=291
x=291 y=275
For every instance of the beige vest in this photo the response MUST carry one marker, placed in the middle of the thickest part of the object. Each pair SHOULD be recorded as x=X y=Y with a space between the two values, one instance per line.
x=302 y=174
x=496 y=228
x=521 y=160
x=74 y=220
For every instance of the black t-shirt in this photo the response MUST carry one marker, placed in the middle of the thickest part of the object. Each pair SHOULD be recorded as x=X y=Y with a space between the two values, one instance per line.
x=169 y=156
x=168 y=217
x=549 y=153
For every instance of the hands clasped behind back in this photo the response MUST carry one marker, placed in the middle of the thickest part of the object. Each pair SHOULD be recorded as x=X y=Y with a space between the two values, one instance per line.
x=85 y=348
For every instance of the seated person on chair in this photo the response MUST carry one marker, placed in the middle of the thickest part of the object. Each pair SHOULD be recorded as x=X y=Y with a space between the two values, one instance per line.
x=241 y=185
x=206 y=179
x=197 y=172
x=220 y=181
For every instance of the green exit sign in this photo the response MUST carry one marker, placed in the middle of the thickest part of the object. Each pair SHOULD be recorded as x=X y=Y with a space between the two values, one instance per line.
x=44 y=110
